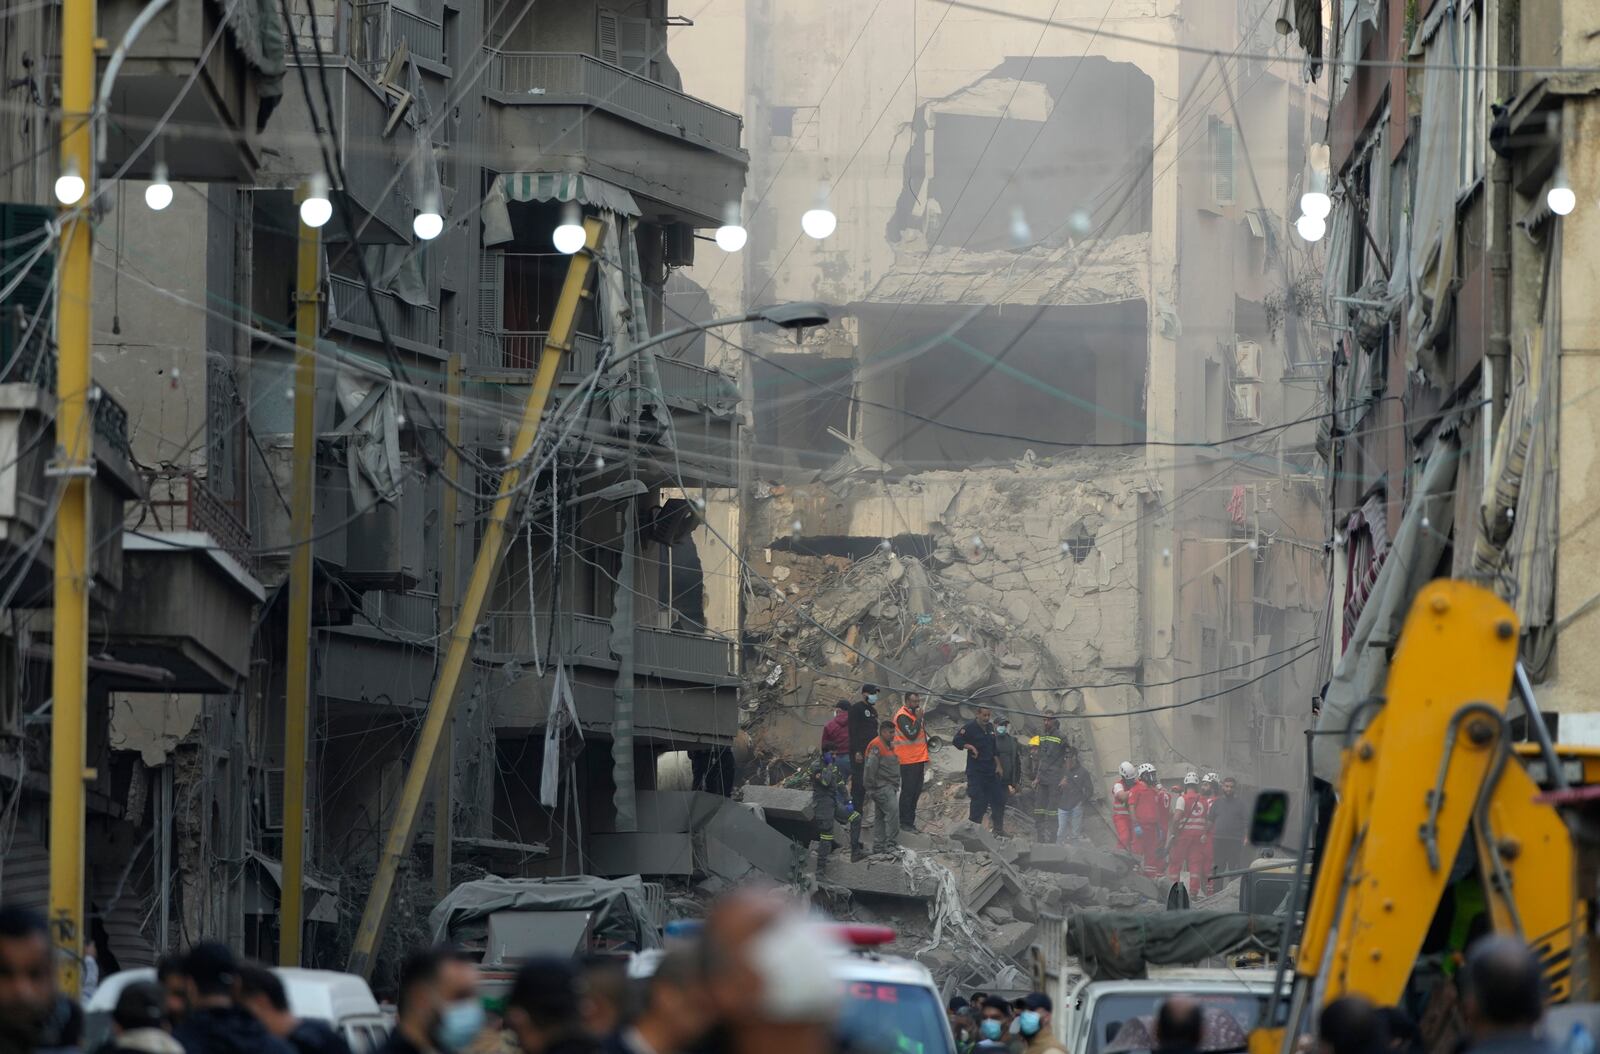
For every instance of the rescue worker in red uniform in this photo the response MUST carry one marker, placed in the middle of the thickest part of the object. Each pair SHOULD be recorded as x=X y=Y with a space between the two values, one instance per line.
x=1208 y=859
x=1121 y=812
x=1149 y=819
x=1186 y=848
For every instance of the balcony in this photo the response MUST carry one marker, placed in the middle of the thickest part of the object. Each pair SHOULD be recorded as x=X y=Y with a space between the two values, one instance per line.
x=586 y=640
x=575 y=112
x=376 y=148
x=704 y=404
x=350 y=310
x=208 y=78
x=378 y=28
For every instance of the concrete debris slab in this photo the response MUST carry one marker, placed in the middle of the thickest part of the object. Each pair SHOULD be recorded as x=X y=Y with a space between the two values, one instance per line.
x=969 y=671
x=792 y=804
x=1014 y=938
x=874 y=877
x=738 y=842
x=642 y=853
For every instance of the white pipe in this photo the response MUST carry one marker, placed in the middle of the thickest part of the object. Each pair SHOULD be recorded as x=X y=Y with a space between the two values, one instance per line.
x=114 y=67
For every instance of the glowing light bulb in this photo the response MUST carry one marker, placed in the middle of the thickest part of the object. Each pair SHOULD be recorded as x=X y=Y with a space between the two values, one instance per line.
x=1020 y=231
x=819 y=223
x=70 y=186
x=731 y=237
x=428 y=224
x=158 y=194
x=1316 y=204
x=569 y=238
x=1561 y=200
x=315 y=208
x=1311 y=228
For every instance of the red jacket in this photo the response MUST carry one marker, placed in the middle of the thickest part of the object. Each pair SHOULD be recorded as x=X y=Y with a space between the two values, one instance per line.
x=1145 y=801
x=1192 y=813
x=836 y=733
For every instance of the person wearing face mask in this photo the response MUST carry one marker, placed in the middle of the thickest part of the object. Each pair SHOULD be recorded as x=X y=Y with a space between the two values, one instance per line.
x=438 y=1010
x=544 y=1009
x=1034 y=1025
x=215 y=1024
x=1008 y=754
x=863 y=730
x=965 y=1029
x=994 y=1027
x=261 y=993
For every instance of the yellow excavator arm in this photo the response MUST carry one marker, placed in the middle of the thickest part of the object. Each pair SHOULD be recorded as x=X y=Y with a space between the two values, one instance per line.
x=1433 y=767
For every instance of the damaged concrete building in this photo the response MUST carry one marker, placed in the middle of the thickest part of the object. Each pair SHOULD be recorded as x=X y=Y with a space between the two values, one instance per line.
x=1060 y=451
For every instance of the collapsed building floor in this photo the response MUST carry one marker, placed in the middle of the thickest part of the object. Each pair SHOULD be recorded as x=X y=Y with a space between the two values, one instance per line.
x=1016 y=585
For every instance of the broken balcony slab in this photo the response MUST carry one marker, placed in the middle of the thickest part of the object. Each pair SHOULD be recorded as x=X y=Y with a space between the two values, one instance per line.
x=738 y=843
x=787 y=804
x=875 y=877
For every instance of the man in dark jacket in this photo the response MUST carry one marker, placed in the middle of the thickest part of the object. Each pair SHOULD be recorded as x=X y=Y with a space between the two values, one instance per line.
x=439 y=1011
x=1048 y=769
x=1008 y=756
x=139 y=1022
x=1074 y=792
x=863 y=730
x=542 y=1009
x=976 y=737
x=261 y=993
x=34 y=1017
x=1230 y=828
x=214 y=1023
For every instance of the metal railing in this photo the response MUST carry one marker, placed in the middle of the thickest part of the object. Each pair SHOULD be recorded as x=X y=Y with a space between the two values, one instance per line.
x=413 y=616
x=583 y=638
x=193 y=506
x=699 y=384
x=36 y=364
x=378 y=26
x=520 y=350
x=543 y=78
x=351 y=305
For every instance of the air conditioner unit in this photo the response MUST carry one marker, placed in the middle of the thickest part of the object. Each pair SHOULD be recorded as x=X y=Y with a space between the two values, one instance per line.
x=1247 y=360
x=1244 y=402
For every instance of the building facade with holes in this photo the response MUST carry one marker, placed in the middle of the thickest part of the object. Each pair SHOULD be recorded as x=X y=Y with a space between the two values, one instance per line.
x=510 y=118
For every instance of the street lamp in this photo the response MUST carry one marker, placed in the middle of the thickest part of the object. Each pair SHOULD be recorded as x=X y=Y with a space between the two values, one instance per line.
x=797 y=315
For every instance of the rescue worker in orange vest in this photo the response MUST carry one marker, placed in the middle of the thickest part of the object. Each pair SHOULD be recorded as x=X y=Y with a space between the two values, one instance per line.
x=1208 y=858
x=911 y=747
x=1186 y=849
x=1149 y=818
x=1121 y=812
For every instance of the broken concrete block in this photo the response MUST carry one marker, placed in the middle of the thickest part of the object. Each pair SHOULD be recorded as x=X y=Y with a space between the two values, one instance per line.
x=792 y=804
x=969 y=671
x=997 y=915
x=1014 y=938
x=738 y=842
x=875 y=877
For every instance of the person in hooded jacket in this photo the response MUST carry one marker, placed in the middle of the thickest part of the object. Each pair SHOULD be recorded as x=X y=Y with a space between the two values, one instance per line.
x=139 y=1022
x=215 y=1024
x=261 y=993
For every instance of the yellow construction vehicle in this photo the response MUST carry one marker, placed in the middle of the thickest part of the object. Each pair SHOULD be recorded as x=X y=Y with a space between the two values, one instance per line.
x=1441 y=830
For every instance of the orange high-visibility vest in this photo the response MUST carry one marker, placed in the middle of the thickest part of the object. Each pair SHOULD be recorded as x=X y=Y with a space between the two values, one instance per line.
x=910 y=749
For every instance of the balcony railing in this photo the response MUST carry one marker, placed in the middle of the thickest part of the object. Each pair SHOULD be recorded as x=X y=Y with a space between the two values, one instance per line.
x=351 y=305
x=36 y=364
x=190 y=505
x=587 y=639
x=378 y=27
x=413 y=616
x=512 y=350
x=697 y=384
x=547 y=78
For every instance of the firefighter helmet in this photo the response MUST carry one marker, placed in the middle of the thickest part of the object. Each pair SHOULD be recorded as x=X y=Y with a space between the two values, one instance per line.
x=1126 y=770
x=1191 y=779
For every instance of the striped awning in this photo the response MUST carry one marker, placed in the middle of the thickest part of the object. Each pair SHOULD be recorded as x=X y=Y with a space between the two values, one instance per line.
x=548 y=186
x=568 y=186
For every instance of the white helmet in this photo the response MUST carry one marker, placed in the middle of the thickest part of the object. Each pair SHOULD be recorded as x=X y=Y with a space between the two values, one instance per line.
x=1212 y=778
x=1146 y=769
x=1191 y=779
x=1126 y=770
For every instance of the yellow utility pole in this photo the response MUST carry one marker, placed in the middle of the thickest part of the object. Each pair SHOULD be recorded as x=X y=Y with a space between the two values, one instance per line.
x=443 y=789
x=302 y=534
x=74 y=468
x=484 y=565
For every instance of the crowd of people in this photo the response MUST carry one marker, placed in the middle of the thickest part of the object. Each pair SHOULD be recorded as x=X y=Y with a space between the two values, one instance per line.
x=1198 y=827
x=989 y=1024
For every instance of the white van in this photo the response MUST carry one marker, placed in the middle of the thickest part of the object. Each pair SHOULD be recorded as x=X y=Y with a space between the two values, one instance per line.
x=340 y=1000
x=1089 y=1013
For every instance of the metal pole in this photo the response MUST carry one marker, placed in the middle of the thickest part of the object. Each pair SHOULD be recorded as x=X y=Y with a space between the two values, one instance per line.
x=398 y=842
x=443 y=786
x=302 y=533
x=74 y=468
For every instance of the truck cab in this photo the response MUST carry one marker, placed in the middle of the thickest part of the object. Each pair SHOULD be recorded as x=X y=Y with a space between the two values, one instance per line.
x=1089 y=1013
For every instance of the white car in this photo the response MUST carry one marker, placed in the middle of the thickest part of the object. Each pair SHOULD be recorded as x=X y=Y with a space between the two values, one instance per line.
x=1091 y=1012
x=888 y=1004
x=342 y=1001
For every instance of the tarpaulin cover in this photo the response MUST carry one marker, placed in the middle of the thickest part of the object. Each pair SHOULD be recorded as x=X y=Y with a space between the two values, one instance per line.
x=1363 y=669
x=548 y=186
x=619 y=906
x=1117 y=945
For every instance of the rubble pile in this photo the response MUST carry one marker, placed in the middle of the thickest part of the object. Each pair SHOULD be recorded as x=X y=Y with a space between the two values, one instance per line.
x=1007 y=585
